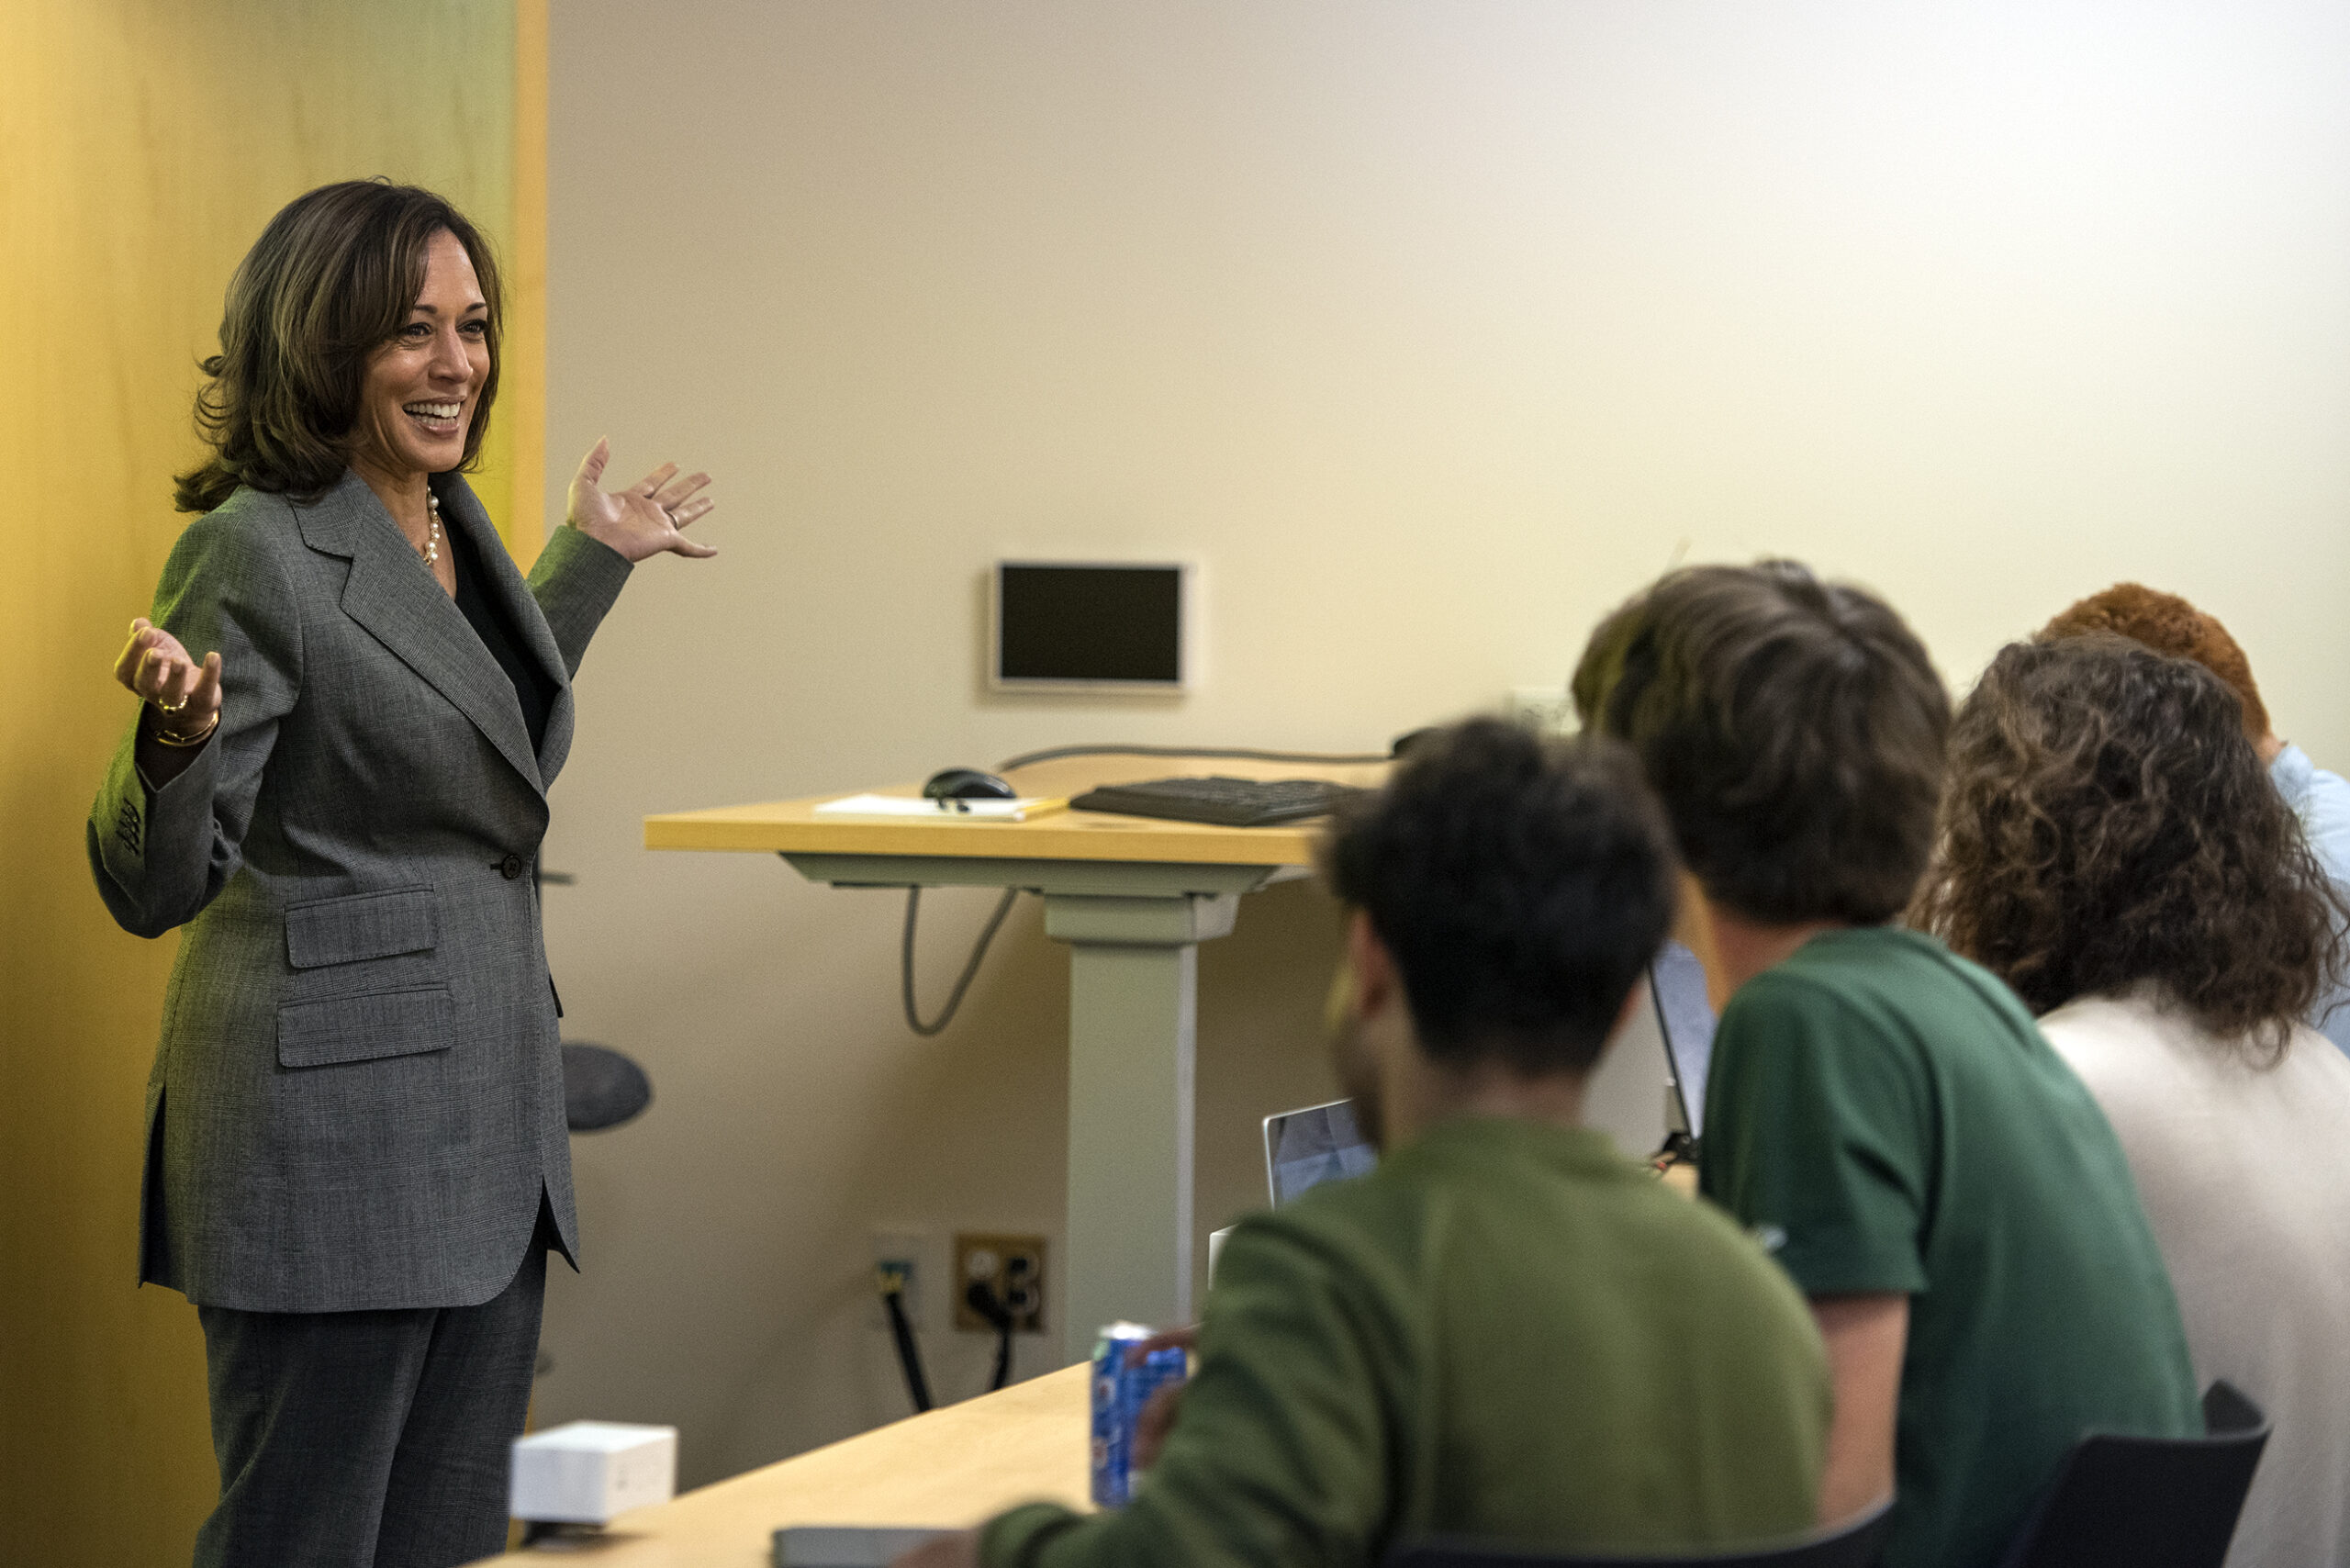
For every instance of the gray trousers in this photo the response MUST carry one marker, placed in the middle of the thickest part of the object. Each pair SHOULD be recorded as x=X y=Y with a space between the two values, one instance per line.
x=368 y=1440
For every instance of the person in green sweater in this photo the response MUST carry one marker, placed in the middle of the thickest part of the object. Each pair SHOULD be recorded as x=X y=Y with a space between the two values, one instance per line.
x=1884 y=1115
x=1507 y=1331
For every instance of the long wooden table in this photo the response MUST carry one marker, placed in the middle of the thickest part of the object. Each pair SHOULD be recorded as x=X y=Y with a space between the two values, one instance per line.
x=950 y=1468
x=1132 y=898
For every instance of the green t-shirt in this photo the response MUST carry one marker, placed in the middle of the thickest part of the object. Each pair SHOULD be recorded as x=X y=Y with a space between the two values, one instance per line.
x=1885 y=1116
x=1507 y=1331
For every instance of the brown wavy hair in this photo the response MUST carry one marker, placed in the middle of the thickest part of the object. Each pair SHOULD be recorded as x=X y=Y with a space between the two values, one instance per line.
x=330 y=281
x=1793 y=728
x=2106 y=821
x=2168 y=624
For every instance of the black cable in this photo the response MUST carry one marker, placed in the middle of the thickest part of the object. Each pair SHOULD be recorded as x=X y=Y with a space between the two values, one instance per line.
x=906 y=964
x=1247 y=754
x=983 y=1299
x=893 y=1296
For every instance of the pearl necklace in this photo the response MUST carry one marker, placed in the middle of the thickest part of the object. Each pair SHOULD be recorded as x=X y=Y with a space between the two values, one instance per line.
x=430 y=548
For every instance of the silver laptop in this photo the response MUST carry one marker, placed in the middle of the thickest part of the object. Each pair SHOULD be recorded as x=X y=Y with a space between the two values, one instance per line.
x=1317 y=1144
x=1684 y=1016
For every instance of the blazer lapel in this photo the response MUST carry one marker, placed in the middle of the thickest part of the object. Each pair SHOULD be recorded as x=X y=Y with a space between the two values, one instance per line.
x=507 y=587
x=392 y=594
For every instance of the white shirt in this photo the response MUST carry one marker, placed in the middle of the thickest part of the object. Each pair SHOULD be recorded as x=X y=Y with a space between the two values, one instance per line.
x=2245 y=1175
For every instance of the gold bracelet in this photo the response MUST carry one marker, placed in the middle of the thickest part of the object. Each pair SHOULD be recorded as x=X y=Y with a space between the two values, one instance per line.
x=202 y=736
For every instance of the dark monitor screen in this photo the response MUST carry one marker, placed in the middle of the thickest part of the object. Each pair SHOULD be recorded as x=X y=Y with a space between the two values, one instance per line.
x=1059 y=624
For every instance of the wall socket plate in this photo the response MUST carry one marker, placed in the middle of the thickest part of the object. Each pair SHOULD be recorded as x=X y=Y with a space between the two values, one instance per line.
x=908 y=1249
x=1013 y=1265
x=1545 y=709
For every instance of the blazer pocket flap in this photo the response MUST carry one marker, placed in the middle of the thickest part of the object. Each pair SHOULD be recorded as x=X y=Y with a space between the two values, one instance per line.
x=363 y=1026
x=363 y=925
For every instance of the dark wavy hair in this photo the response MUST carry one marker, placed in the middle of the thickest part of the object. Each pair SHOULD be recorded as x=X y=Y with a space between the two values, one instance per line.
x=1793 y=728
x=1521 y=885
x=2107 y=822
x=330 y=281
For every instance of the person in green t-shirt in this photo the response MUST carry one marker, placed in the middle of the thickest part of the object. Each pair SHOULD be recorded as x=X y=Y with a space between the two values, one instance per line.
x=1883 y=1114
x=1507 y=1331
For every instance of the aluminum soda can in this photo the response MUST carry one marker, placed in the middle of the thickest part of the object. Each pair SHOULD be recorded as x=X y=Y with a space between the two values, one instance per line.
x=1119 y=1393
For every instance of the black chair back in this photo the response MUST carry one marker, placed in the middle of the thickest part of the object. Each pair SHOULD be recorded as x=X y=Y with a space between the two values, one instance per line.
x=2149 y=1502
x=1852 y=1544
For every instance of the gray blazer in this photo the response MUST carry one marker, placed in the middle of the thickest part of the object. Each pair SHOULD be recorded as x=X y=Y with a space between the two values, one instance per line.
x=358 y=1096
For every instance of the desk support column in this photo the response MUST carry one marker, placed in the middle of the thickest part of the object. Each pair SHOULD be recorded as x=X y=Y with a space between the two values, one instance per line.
x=1132 y=1022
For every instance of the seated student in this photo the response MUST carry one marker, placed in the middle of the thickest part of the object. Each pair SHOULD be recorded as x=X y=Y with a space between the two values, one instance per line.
x=2111 y=848
x=2168 y=624
x=1884 y=1115
x=1506 y=1330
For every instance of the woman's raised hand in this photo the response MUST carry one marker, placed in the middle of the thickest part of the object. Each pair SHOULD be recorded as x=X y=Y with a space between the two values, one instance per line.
x=154 y=666
x=647 y=518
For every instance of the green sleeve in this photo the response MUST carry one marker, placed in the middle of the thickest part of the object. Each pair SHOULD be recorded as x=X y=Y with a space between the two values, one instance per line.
x=1281 y=1452
x=1818 y=1137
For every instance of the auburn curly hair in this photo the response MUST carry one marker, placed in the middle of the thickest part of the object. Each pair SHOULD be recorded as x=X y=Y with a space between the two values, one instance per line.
x=2105 y=820
x=2168 y=624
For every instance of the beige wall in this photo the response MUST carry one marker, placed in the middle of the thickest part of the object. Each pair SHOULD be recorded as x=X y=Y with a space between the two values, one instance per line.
x=1431 y=330
x=142 y=146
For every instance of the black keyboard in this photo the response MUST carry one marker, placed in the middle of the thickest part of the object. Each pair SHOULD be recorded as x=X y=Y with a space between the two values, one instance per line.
x=1226 y=802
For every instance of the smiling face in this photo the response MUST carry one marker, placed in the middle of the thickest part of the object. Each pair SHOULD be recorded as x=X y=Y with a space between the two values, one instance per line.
x=419 y=396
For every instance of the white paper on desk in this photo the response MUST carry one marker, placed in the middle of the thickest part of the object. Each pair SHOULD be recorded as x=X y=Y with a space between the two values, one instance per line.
x=898 y=806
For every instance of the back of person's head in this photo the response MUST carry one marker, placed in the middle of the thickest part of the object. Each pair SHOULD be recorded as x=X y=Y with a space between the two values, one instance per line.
x=1521 y=886
x=1794 y=730
x=2107 y=822
x=2168 y=624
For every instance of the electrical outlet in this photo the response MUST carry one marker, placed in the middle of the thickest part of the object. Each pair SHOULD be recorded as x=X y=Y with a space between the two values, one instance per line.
x=902 y=1250
x=1545 y=709
x=1013 y=1266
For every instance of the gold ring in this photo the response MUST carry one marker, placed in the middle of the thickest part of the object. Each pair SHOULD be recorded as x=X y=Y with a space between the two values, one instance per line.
x=171 y=707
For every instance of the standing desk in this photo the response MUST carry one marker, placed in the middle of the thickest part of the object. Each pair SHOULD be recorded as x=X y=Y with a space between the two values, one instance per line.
x=1132 y=898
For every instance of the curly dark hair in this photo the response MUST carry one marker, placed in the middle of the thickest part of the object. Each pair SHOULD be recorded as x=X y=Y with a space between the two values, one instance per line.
x=2107 y=822
x=1521 y=885
x=329 y=282
x=2168 y=624
x=1793 y=728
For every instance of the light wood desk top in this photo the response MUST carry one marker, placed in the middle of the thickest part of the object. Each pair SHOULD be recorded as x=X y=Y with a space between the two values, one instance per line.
x=792 y=826
x=950 y=1468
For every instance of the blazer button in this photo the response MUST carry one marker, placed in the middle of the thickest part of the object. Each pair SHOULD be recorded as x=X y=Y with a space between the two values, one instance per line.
x=512 y=867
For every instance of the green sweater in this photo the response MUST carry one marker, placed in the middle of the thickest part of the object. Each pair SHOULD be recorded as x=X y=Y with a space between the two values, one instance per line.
x=1505 y=1331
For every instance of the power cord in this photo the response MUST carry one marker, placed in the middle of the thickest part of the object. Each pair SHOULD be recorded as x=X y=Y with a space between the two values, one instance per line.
x=891 y=1283
x=981 y=1297
x=906 y=963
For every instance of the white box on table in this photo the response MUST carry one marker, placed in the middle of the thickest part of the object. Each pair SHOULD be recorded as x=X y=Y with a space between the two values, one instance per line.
x=585 y=1472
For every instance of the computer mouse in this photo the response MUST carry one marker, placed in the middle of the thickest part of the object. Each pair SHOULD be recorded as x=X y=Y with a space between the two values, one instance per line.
x=966 y=784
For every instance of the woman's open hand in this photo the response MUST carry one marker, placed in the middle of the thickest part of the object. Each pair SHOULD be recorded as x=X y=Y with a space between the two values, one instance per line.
x=643 y=519
x=154 y=666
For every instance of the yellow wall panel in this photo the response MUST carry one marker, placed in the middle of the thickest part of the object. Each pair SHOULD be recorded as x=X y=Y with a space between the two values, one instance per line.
x=142 y=147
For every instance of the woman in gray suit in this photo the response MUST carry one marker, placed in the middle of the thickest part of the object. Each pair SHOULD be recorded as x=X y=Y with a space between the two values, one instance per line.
x=352 y=706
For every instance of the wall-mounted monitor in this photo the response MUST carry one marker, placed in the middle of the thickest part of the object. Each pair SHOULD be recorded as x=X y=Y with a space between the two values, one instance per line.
x=1090 y=626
